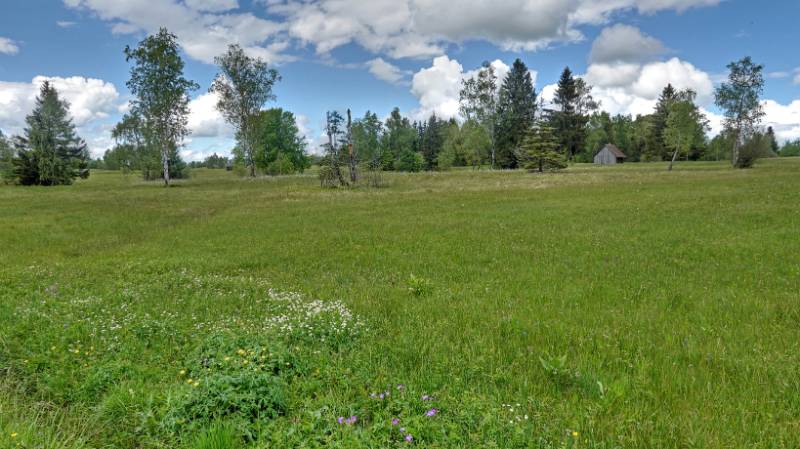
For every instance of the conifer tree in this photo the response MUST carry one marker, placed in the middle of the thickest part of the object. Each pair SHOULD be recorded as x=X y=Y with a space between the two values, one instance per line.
x=50 y=152
x=516 y=113
x=540 y=150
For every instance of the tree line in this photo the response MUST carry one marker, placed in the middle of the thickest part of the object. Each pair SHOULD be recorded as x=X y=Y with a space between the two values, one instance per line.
x=505 y=124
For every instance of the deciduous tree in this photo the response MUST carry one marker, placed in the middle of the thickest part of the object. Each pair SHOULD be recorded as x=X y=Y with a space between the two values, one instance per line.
x=739 y=98
x=161 y=93
x=243 y=85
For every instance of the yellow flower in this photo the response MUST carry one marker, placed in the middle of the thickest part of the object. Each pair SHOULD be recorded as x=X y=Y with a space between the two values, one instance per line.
x=227 y=358
x=189 y=381
x=575 y=434
x=241 y=352
x=14 y=434
x=183 y=372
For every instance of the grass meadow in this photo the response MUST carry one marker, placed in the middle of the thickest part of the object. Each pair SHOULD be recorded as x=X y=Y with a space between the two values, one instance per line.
x=621 y=307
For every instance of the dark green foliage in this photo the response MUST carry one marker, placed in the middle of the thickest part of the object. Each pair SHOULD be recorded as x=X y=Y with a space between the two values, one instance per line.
x=367 y=135
x=516 y=113
x=791 y=149
x=431 y=140
x=758 y=146
x=774 y=147
x=409 y=161
x=279 y=148
x=574 y=101
x=216 y=161
x=399 y=138
x=238 y=378
x=50 y=153
x=656 y=149
x=6 y=160
x=540 y=150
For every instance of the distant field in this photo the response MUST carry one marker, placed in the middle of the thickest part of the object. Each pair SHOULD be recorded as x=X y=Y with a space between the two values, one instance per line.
x=622 y=307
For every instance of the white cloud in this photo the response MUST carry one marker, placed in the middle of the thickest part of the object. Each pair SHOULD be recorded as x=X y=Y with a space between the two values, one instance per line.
x=420 y=28
x=205 y=120
x=65 y=24
x=385 y=71
x=624 y=43
x=796 y=79
x=396 y=28
x=437 y=87
x=626 y=88
x=784 y=119
x=204 y=27
x=212 y=5
x=8 y=47
x=92 y=101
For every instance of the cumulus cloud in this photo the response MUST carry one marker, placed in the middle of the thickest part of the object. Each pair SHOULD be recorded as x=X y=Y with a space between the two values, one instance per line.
x=212 y=5
x=397 y=28
x=385 y=71
x=89 y=99
x=626 y=88
x=784 y=119
x=204 y=27
x=624 y=43
x=421 y=28
x=437 y=87
x=205 y=120
x=8 y=47
x=92 y=101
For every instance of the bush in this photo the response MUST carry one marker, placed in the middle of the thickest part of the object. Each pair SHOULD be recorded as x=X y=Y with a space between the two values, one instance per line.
x=753 y=149
x=409 y=161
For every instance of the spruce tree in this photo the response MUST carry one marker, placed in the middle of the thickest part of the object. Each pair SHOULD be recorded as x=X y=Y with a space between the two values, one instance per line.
x=50 y=152
x=656 y=147
x=516 y=113
x=574 y=101
x=540 y=150
x=6 y=160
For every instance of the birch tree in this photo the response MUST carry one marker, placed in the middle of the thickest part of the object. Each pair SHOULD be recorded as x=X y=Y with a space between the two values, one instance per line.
x=161 y=92
x=739 y=98
x=243 y=86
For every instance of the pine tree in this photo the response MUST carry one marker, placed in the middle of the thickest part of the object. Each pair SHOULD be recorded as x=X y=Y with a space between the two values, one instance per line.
x=516 y=113
x=540 y=150
x=50 y=153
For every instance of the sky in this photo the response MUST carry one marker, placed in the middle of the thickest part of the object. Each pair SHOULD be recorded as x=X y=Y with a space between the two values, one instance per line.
x=379 y=54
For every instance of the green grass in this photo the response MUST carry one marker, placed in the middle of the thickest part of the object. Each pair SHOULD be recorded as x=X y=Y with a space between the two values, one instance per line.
x=619 y=307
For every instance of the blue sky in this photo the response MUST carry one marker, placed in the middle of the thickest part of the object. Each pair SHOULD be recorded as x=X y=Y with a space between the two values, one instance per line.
x=335 y=54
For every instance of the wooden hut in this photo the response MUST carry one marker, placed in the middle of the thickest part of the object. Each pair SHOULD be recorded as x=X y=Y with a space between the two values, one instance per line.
x=610 y=155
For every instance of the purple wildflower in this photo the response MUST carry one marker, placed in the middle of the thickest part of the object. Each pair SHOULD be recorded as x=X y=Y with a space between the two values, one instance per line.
x=401 y=387
x=395 y=421
x=340 y=420
x=403 y=430
x=409 y=438
x=351 y=420
x=431 y=412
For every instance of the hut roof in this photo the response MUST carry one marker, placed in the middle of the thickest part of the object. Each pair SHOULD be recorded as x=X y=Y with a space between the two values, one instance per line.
x=616 y=151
